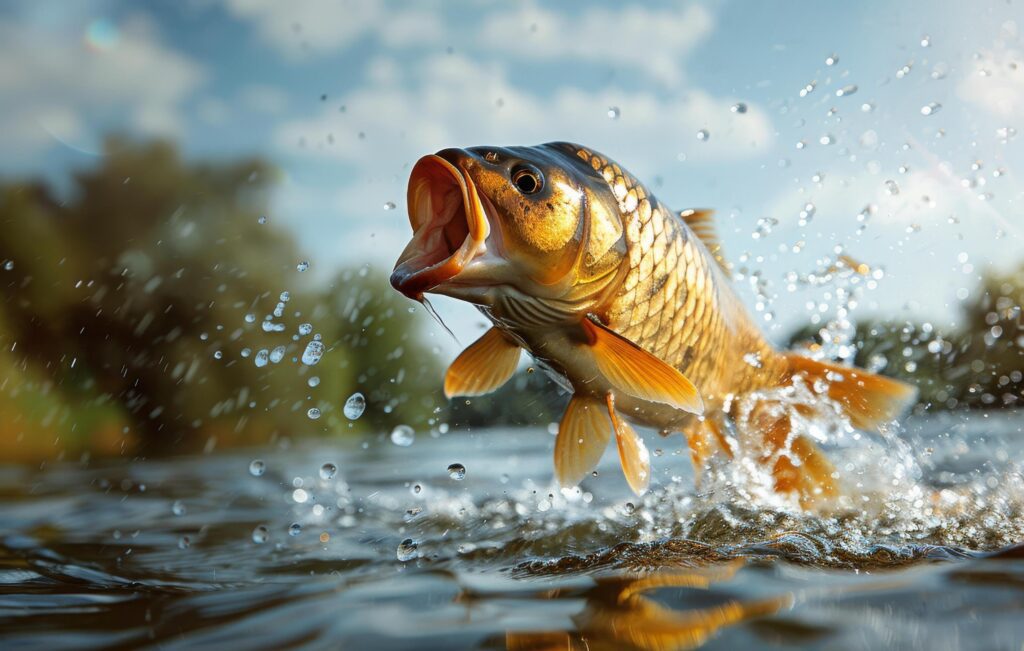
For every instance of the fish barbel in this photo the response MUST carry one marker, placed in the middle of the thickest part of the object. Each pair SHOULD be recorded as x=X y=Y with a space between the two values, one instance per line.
x=624 y=302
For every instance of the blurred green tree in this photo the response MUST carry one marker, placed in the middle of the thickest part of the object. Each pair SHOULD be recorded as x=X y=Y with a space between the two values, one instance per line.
x=135 y=309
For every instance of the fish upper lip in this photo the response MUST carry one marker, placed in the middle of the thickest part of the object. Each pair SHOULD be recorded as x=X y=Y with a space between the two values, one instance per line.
x=444 y=206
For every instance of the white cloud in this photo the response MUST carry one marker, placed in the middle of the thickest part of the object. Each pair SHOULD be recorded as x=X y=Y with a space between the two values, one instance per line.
x=265 y=99
x=996 y=82
x=651 y=42
x=67 y=88
x=300 y=27
x=456 y=101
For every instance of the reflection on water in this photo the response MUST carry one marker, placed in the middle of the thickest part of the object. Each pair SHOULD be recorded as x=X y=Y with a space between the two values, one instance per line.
x=620 y=612
x=359 y=547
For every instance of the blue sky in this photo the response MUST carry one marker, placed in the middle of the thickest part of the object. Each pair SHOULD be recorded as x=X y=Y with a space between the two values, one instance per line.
x=344 y=96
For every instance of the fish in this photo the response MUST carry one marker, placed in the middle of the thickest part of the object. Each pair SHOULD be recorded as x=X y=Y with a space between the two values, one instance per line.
x=625 y=303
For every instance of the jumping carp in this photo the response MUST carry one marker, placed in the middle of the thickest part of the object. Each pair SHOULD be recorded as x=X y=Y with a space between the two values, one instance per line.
x=625 y=303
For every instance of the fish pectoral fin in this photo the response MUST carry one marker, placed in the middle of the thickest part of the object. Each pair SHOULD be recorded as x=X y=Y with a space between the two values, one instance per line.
x=633 y=455
x=487 y=364
x=582 y=437
x=633 y=370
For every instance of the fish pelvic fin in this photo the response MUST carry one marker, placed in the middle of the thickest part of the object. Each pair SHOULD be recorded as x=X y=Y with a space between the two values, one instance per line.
x=633 y=455
x=867 y=399
x=483 y=367
x=795 y=461
x=632 y=370
x=582 y=437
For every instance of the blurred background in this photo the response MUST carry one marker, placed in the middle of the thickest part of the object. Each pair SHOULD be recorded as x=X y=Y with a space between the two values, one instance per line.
x=200 y=201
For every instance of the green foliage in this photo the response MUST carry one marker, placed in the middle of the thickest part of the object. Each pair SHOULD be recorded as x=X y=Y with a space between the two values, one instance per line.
x=122 y=320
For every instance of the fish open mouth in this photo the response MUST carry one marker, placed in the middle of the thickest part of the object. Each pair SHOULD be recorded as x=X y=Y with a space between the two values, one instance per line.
x=449 y=227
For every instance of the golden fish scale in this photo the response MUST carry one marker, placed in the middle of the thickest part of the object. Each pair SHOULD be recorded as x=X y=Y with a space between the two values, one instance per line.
x=675 y=301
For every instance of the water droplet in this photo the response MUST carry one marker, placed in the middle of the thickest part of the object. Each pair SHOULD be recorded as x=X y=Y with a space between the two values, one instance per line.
x=328 y=471
x=260 y=535
x=178 y=507
x=827 y=139
x=457 y=471
x=302 y=266
x=832 y=59
x=403 y=436
x=628 y=508
x=389 y=205
x=262 y=220
x=314 y=351
x=313 y=381
x=739 y=107
x=9 y=265
x=277 y=354
x=295 y=529
x=892 y=187
x=614 y=112
x=217 y=354
x=926 y=41
x=313 y=413
x=305 y=329
x=246 y=352
x=753 y=359
x=407 y=550
x=261 y=357
x=846 y=90
x=703 y=135
x=285 y=296
x=257 y=467
x=250 y=318
x=411 y=513
x=184 y=542
x=1005 y=135
x=931 y=108
x=355 y=406
x=867 y=107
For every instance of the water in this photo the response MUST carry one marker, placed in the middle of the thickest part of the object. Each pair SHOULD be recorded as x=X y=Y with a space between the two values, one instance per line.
x=383 y=550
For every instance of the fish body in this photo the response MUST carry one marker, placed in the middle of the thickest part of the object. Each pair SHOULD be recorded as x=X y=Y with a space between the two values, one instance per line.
x=624 y=302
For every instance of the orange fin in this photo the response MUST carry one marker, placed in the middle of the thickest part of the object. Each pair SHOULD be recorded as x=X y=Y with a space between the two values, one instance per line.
x=797 y=464
x=582 y=437
x=868 y=400
x=633 y=455
x=705 y=438
x=487 y=364
x=633 y=370
x=702 y=223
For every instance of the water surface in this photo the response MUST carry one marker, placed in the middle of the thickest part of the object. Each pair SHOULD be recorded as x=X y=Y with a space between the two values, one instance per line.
x=199 y=551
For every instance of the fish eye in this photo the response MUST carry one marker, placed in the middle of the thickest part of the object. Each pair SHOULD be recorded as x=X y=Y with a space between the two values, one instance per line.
x=527 y=179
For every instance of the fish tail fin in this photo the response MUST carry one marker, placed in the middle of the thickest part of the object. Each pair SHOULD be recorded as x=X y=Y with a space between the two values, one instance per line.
x=797 y=464
x=867 y=399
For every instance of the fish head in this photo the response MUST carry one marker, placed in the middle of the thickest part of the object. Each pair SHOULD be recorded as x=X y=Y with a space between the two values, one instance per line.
x=489 y=222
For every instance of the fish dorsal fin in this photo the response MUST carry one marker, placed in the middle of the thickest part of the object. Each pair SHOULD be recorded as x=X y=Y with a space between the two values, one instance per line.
x=633 y=455
x=487 y=364
x=702 y=223
x=582 y=437
x=632 y=370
